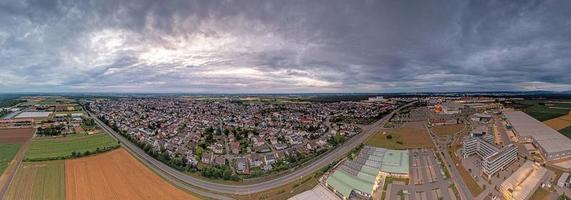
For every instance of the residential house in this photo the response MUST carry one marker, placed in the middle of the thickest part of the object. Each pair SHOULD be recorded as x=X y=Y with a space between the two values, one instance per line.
x=235 y=147
x=219 y=160
x=269 y=159
x=207 y=157
x=242 y=165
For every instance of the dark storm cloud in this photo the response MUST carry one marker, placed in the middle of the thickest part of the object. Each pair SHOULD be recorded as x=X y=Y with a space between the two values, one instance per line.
x=284 y=46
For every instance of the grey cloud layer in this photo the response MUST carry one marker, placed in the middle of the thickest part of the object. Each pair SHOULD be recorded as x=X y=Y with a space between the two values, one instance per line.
x=284 y=46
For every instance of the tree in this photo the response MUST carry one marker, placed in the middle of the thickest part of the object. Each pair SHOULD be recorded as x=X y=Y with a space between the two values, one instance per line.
x=51 y=130
x=146 y=147
x=199 y=151
x=336 y=139
x=164 y=156
x=178 y=161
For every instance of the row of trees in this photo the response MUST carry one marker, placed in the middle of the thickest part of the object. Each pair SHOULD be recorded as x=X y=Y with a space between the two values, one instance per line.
x=219 y=172
x=358 y=120
x=51 y=130
x=75 y=154
x=290 y=163
x=88 y=123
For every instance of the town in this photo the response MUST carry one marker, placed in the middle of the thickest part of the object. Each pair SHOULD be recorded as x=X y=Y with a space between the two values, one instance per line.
x=245 y=137
x=367 y=147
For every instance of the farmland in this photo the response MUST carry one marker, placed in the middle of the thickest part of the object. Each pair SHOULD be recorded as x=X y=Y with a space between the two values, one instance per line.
x=412 y=135
x=559 y=122
x=7 y=153
x=38 y=180
x=566 y=131
x=64 y=147
x=544 y=110
x=13 y=142
x=116 y=175
x=16 y=135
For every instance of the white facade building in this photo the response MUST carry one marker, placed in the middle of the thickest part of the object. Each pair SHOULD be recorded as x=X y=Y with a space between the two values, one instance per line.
x=493 y=159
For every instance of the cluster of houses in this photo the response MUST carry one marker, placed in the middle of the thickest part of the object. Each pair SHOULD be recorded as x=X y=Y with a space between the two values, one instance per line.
x=225 y=132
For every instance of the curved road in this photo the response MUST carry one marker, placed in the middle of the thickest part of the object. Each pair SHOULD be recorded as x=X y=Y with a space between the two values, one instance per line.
x=186 y=181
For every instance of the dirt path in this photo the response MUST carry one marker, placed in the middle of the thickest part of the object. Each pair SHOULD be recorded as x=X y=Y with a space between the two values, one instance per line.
x=18 y=136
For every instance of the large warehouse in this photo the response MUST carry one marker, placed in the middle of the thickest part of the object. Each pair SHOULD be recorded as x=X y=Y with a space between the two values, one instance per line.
x=361 y=175
x=523 y=182
x=552 y=144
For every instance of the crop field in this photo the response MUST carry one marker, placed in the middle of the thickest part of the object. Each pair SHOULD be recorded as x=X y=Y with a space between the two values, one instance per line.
x=38 y=180
x=566 y=131
x=7 y=153
x=116 y=175
x=411 y=135
x=63 y=147
x=543 y=110
x=558 y=123
x=16 y=135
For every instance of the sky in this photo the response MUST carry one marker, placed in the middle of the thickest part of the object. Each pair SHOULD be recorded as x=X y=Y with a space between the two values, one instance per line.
x=271 y=46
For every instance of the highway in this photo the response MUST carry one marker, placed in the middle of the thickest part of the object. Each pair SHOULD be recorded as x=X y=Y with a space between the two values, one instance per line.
x=194 y=184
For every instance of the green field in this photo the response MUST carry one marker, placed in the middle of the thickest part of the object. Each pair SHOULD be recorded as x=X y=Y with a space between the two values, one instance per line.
x=543 y=110
x=7 y=153
x=411 y=135
x=566 y=131
x=63 y=147
x=381 y=141
x=38 y=180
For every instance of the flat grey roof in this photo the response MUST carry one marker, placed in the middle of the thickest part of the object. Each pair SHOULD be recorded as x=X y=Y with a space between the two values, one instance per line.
x=526 y=126
x=34 y=115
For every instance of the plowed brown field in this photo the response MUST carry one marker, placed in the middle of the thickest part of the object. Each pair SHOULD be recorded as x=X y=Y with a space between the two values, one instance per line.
x=559 y=123
x=16 y=135
x=116 y=175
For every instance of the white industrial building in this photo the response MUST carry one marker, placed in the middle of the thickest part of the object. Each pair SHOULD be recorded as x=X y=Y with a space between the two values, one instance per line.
x=551 y=144
x=493 y=159
x=33 y=115
x=523 y=182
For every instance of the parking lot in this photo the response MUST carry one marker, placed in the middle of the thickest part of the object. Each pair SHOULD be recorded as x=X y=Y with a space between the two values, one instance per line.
x=424 y=168
x=426 y=180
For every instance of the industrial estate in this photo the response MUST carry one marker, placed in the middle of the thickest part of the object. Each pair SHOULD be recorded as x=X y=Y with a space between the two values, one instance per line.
x=285 y=147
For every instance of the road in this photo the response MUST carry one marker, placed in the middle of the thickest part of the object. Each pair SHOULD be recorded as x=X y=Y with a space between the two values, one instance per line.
x=442 y=146
x=192 y=183
x=502 y=131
